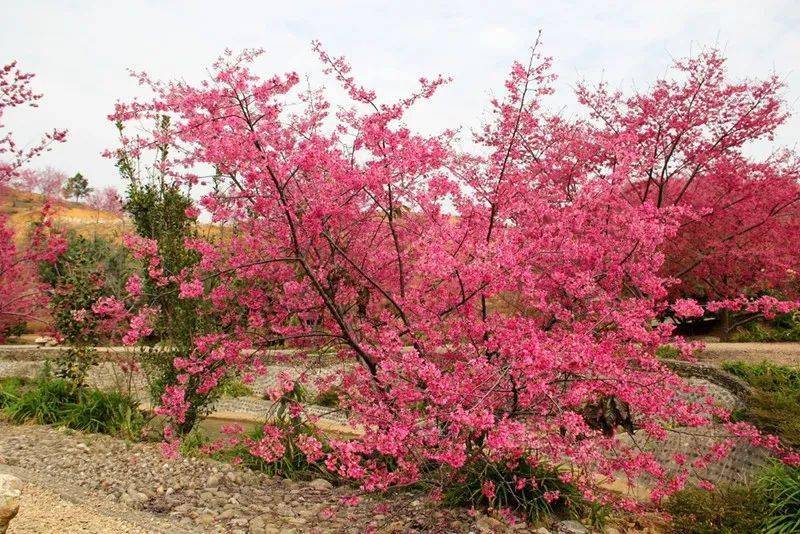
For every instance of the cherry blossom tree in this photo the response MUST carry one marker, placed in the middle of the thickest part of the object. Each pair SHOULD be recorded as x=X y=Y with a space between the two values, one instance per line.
x=495 y=307
x=19 y=289
x=106 y=199
x=692 y=137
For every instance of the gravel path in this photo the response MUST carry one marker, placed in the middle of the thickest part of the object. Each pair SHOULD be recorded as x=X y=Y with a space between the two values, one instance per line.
x=93 y=483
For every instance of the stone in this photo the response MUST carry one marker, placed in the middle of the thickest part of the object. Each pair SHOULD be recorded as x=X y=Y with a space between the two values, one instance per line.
x=204 y=519
x=393 y=527
x=10 y=491
x=214 y=480
x=570 y=527
x=226 y=514
x=489 y=524
x=542 y=530
x=257 y=525
x=320 y=484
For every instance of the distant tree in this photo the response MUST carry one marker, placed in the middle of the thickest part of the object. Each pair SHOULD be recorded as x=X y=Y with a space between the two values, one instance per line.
x=106 y=199
x=77 y=187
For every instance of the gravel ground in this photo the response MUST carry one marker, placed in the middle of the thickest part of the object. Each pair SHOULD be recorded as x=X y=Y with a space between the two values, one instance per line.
x=93 y=483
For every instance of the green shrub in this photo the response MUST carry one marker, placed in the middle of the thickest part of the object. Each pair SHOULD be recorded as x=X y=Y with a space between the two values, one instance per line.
x=46 y=403
x=775 y=404
x=293 y=464
x=785 y=327
x=234 y=389
x=11 y=389
x=780 y=484
x=466 y=491
x=328 y=398
x=105 y=413
x=727 y=509
x=667 y=351
x=58 y=402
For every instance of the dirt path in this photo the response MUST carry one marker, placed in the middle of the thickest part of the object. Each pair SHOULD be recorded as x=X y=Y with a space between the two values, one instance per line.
x=44 y=511
x=777 y=353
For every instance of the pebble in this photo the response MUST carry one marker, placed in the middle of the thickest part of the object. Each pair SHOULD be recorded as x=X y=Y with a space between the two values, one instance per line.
x=201 y=494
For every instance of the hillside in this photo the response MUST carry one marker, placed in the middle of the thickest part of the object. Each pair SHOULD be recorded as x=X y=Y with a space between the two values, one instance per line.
x=22 y=208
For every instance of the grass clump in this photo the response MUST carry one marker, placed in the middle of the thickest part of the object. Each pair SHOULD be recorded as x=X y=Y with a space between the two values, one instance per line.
x=550 y=497
x=770 y=504
x=328 y=398
x=668 y=351
x=785 y=327
x=57 y=402
x=728 y=509
x=780 y=485
x=11 y=389
x=293 y=464
x=233 y=389
x=774 y=406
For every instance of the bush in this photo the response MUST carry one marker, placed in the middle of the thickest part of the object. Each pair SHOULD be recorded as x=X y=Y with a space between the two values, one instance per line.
x=775 y=404
x=729 y=509
x=58 y=402
x=780 y=484
x=105 y=413
x=551 y=496
x=293 y=464
x=11 y=389
x=785 y=327
x=667 y=351
x=234 y=389
x=328 y=398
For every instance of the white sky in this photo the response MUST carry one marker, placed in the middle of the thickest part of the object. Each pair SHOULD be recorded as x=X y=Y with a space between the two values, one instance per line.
x=81 y=50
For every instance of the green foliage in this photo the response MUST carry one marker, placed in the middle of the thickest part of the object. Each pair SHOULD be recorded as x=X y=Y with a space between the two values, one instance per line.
x=157 y=206
x=89 y=269
x=770 y=504
x=11 y=389
x=77 y=187
x=785 y=327
x=328 y=398
x=105 y=413
x=780 y=484
x=728 y=509
x=14 y=330
x=234 y=389
x=58 y=402
x=667 y=351
x=73 y=364
x=775 y=404
x=466 y=490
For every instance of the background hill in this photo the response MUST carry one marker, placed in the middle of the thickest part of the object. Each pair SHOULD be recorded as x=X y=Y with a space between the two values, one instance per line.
x=23 y=208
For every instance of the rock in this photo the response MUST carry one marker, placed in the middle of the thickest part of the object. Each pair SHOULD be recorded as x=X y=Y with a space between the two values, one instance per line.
x=394 y=527
x=542 y=530
x=214 y=480
x=10 y=490
x=570 y=527
x=204 y=519
x=45 y=341
x=320 y=484
x=257 y=525
x=284 y=510
x=226 y=514
x=489 y=524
